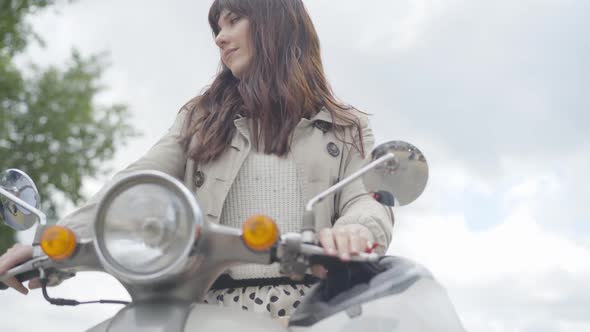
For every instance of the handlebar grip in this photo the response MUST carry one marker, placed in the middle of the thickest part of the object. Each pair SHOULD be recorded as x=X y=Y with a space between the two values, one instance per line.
x=325 y=260
x=22 y=277
x=343 y=276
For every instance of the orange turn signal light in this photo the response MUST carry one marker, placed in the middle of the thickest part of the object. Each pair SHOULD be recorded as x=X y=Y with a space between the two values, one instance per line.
x=259 y=232
x=58 y=242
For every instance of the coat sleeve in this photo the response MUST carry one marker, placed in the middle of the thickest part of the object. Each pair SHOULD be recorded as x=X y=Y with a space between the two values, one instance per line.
x=356 y=205
x=167 y=156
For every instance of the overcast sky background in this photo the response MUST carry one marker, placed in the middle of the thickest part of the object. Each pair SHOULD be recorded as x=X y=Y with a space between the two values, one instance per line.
x=494 y=93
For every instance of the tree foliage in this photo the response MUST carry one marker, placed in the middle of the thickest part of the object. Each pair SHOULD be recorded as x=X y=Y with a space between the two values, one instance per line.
x=15 y=32
x=51 y=126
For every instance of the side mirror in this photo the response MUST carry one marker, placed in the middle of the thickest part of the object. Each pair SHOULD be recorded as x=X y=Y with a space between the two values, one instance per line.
x=397 y=169
x=404 y=177
x=19 y=200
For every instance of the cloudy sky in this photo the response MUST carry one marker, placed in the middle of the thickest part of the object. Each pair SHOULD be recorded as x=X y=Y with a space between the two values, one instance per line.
x=492 y=92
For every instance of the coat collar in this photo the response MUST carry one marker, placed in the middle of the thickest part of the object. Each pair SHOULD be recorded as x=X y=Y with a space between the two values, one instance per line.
x=324 y=115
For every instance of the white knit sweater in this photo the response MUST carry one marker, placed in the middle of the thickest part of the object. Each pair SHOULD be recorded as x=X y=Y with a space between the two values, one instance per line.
x=269 y=185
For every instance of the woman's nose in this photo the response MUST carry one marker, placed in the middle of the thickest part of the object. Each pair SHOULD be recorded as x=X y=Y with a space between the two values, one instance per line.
x=221 y=39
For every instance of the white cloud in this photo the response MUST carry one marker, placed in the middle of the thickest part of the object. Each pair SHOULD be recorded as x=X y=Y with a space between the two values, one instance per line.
x=555 y=190
x=398 y=25
x=513 y=276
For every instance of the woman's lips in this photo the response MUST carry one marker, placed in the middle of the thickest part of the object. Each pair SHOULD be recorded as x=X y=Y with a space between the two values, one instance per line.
x=228 y=53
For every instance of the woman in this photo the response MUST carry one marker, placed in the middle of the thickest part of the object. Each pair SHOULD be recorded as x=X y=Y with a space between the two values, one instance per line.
x=265 y=137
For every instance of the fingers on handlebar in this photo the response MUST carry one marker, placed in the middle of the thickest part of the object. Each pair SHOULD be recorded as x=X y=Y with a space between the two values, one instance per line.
x=16 y=255
x=326 y=240
x=358 y=244
x=343 y=243
x=319 y=271
x=13 y=283
x=34 y=283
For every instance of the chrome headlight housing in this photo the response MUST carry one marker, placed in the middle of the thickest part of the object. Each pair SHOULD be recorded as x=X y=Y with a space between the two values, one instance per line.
x=146 y=226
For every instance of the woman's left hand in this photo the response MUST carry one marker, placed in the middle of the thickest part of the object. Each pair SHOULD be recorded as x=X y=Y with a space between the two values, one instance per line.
x=345 y=240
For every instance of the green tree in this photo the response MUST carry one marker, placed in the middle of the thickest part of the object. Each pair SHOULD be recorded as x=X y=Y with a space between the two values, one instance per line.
x=50 y=124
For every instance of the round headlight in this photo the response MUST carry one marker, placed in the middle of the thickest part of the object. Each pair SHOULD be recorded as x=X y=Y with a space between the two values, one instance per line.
x=146 y=226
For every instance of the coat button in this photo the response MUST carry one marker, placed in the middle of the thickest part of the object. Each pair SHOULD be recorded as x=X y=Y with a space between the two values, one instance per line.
x=322 y=125
x=333 y=149
x=199 y=179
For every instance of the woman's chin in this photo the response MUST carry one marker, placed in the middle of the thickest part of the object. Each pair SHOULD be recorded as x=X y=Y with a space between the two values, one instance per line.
x=236 y=74
x=236 y=71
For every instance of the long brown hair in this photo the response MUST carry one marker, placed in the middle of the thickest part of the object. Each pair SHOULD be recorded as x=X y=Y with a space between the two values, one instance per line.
x=283 y=83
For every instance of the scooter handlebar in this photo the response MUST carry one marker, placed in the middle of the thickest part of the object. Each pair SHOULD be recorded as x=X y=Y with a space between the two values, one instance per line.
x=23 y=272
x=24 y=276
x=312 y=250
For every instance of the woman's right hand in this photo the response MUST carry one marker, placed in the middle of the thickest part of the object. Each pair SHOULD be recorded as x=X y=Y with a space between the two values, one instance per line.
x=14 y=256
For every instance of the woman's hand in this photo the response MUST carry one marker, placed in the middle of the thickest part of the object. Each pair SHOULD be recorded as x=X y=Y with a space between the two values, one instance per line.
x=18 y=254
x=344 y=241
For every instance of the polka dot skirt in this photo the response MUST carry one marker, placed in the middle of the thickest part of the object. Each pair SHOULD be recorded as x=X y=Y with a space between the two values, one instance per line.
x=276 y=301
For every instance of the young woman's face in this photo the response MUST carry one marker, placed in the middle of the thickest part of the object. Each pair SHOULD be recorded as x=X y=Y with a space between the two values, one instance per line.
x=234 y=41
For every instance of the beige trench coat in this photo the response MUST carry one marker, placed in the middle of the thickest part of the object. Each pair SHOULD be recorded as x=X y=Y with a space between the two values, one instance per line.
x=315 y=149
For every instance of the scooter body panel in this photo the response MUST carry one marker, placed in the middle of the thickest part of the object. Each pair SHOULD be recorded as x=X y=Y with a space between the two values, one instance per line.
x=179 y=317
x=155 y=316
x=204 y=317
x=423 y=307
x=404 y=297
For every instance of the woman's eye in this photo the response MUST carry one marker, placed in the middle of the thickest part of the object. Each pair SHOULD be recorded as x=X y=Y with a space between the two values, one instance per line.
x=234 y=19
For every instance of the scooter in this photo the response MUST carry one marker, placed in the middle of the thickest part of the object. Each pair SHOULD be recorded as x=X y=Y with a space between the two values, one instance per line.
x=167 y=257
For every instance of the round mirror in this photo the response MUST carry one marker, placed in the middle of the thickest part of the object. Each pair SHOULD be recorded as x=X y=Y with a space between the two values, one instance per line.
x=20 y=185
x=404 y=177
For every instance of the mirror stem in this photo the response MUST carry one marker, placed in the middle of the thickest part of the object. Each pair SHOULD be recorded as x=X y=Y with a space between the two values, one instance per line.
x=309 y=217
x=25 y=205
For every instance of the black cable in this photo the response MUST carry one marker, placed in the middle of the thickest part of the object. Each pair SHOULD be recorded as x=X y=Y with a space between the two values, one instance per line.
x=67 y=302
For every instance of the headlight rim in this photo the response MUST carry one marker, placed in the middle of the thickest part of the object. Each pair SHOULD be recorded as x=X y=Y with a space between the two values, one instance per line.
x=195 y=219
